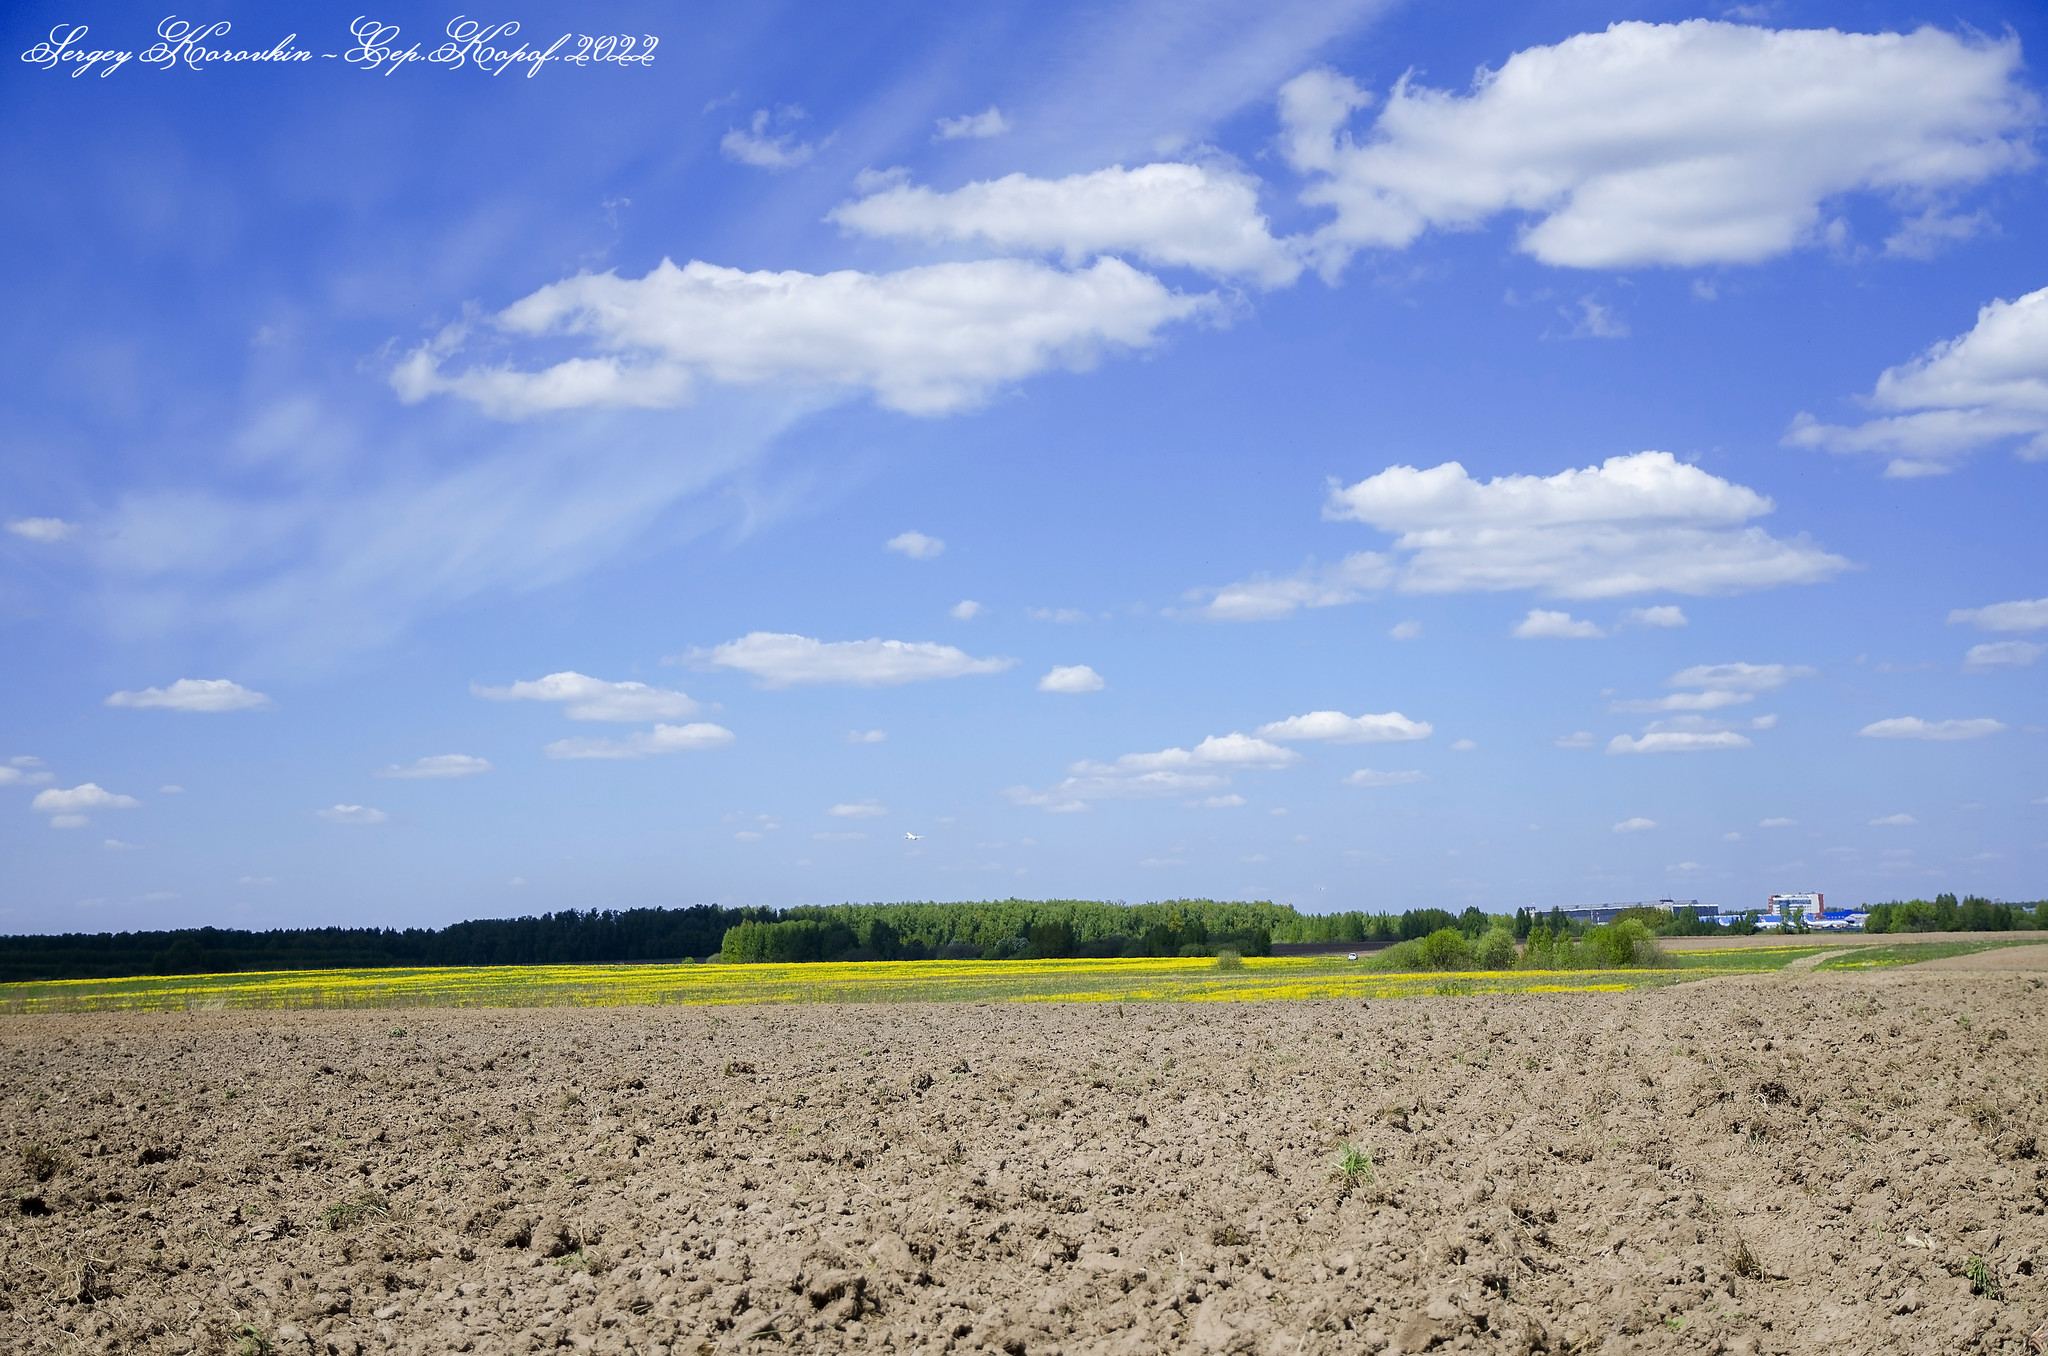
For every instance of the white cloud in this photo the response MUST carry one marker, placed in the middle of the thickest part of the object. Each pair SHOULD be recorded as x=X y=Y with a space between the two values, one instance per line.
x=209 y=695
x=1987 y=386
x=1543 y=625
x=256 y=880
x=587 y=698
x=87 y=796
x=2030 y=615
x=1655 y=616
x=644 y=743
x=990 y=122
x=1713 y=699
x=1898 y=820
x=748 y=836
x=1071 y=678
x=915 y=545
x=760 y=144
x=1680 y=144
x=1680 y=734
x=1777 y=823
x=2001 y=654
x=1263 y=598
x=781 y=660
x=965 y=610
x=1632 y=524
x=69 y=821
x=1169 y=772
x=866 y=736
x=924 y=341
x=859 y=809
x=1464 y=745
x=1635 y=825
x=45 y=530
x=1740 y=677
x=1230 y=802
x=24 y=771
x=116 y=845
x=1386 y=727
x=172 y=790
x=1407 y=630
x=1583 y=739
x=1912 y=727
x=439 y=765
x=1175 y=215
x=1366 y=776
x=1062 y=615
x=352 y=814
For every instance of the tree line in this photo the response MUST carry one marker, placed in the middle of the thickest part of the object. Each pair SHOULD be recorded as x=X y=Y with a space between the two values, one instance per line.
x=999 y=929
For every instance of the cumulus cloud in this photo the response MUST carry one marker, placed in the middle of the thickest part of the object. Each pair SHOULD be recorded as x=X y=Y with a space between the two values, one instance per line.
x=437 y=766
x=1265 y=598
x=1632 y=524
x=990 y=122
x=1544 y=625
x=1677 y=144
x=45 y=530
x=587 y=698
x=1071 y=678
x=1169 y=772
x=1777 y=823
x=78 y=799
x=1464 y=745
x=116 y=845
x=1711 y=700
x=1175 y=215
x=1583 y=739
x=1680 y=734
x=644 y=743
x=1230 y=802
x=916 y=545
x=924 y=341
x=1386 y=727
x=2001 y=654
x=1407 y=630
x=866 y=736
x=965 y=610
x=2028 y=615
x=859 y=809
x=208 y=695
x=1898 y=820
x=1987 y=386
x=1366 y=776
x=1913 y=727
x=766 y=143
x=24 y=770
x=352 y=814
x=781 y=660
x=1740 y=677
x=1655 y=616
x=1635 y=825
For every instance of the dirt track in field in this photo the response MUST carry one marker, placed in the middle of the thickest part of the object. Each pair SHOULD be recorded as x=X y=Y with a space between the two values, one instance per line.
x=1748 y=1164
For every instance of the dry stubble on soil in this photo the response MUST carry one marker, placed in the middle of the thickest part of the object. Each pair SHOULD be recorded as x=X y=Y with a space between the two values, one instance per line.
x=1769 y=1164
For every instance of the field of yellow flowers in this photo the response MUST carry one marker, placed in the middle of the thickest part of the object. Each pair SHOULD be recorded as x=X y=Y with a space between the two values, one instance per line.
x=1195 y=979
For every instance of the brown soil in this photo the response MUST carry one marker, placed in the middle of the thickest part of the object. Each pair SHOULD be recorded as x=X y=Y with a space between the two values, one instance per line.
x=1751 y=1164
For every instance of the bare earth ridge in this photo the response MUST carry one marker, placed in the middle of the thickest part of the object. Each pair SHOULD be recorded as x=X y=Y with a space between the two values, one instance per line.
x=1753 y=1164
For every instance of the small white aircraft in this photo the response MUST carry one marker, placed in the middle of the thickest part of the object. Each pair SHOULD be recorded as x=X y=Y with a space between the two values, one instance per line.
x=913 y=837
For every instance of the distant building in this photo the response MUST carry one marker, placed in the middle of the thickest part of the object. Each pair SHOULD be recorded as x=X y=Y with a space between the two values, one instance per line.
x=1607 y=913
x=1810 y=909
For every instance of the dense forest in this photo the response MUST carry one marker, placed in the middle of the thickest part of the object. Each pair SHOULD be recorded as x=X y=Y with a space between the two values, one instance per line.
x=1010 y=928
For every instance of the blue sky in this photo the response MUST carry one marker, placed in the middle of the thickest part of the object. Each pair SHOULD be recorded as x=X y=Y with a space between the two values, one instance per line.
x=1361 y=456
